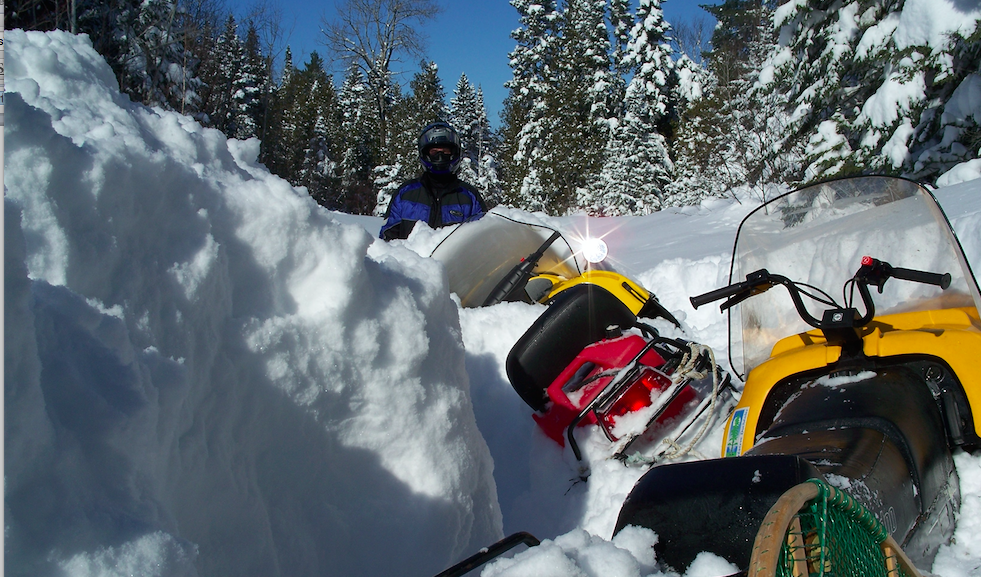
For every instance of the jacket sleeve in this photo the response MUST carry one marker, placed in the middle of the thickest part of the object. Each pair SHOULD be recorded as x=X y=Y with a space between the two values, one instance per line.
x=393 y=224
x=478 y=207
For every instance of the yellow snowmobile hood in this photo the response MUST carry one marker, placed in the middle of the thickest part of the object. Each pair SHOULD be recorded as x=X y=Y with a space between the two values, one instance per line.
x=951 y=336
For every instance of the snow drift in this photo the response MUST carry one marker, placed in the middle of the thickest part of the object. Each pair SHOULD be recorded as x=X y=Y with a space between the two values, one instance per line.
x=203 y=368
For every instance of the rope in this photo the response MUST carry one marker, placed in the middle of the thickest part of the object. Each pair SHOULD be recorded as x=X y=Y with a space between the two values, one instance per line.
x=687 y=370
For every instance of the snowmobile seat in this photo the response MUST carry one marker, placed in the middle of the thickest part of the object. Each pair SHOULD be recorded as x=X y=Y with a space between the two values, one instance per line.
x=575 y=318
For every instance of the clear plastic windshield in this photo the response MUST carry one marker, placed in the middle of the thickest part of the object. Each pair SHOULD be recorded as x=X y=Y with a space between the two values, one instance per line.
x=477 y=255
x=818 y=236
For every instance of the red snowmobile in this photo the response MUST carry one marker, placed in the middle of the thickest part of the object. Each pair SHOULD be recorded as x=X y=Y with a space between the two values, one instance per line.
x=588 y=359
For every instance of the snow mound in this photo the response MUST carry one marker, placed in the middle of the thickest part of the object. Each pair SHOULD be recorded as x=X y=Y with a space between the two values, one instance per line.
x=205 y=372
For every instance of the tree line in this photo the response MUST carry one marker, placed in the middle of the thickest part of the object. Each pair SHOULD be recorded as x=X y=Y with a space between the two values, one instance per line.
x=610 y=109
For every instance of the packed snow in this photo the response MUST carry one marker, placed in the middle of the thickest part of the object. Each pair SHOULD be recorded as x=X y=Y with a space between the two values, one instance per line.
x=207 y=374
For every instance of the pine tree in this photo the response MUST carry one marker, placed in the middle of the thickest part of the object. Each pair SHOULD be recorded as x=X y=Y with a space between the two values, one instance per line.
x=305 y=144
x=867 y=98
x=248 y=87
x=221 y=74
x=273 y=152
x=638 y=166
x=580 y=104
x=319 y=114
x=463 y=115
x=488 y=169
x=649 y=56
x=526 y=120
x=950 y=129
x=469 y=116
x=146 y=50
x=359 y=142
x=621 y=21
x=197 y=37
x=734 y=136
x=817 y=40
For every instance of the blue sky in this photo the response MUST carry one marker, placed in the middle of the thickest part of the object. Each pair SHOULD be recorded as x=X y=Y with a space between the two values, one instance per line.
x=468 y=36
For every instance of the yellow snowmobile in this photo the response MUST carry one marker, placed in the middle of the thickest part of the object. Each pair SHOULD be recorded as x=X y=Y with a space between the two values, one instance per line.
x=867 y=394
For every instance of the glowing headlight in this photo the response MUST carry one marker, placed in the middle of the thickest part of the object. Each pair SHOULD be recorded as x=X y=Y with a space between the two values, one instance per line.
x=594 y=250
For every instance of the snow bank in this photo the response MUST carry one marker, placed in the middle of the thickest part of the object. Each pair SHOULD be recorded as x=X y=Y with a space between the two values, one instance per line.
x=205 y=373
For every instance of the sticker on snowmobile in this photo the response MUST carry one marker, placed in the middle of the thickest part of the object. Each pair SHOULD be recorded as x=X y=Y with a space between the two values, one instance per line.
x=734 y=435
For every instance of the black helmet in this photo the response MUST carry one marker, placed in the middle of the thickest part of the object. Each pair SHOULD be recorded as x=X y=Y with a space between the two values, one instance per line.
x=439 y=134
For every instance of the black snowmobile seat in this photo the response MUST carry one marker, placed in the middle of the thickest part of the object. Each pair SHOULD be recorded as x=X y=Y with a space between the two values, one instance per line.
x=575 y=318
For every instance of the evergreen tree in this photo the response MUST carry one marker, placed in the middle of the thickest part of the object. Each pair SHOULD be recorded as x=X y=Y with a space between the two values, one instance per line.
x=585 y=66
x=734 y=135
x=288 y=68
x=637 y=166
x=222 y=76
x=488 y=167
x=526 y=119
x=950 y=129
x=249 y=87
x=649 y=56
x=305 y=145
x=145 y=42
x=359 y=142
x=318 y=115
x=580 y=105
x=465 y=117
x=867 y=97
x=197 y=28
x=274 y=149
x=818 y=40
x=469 y=116
x=621 y=22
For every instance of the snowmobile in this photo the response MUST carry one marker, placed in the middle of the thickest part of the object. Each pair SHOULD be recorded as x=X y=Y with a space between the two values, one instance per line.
x=588 y=359
x=575 y=358
x=866 y=396
x=647 y=393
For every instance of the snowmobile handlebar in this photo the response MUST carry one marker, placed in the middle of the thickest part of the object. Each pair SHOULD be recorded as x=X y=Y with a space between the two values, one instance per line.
x=755 y=283
x=876 y=272
x=872 y=272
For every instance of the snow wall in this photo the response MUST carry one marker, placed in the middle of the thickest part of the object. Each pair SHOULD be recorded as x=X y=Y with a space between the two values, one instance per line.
x=205 y=374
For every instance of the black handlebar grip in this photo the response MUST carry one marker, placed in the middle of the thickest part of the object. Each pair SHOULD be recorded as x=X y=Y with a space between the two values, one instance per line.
x=718 y=294
x=940 y=280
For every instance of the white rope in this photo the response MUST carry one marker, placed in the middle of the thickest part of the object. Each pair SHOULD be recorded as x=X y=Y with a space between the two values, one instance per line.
x=689 y=365
x=686 y=370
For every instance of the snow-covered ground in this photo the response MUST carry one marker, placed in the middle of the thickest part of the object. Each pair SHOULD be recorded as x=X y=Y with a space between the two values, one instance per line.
x=207 y=374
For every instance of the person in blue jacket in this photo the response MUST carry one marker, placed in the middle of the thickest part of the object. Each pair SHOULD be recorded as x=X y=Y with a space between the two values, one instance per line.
x=437 y=197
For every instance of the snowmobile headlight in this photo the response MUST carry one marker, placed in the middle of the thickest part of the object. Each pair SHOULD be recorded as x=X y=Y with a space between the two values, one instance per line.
x=594 y=250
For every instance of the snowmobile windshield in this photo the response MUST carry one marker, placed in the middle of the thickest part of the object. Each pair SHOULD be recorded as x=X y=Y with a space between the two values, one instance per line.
x=818 y=235
x=478 y=254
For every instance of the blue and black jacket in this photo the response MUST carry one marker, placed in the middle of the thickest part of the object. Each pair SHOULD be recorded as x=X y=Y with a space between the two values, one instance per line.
x=438 y=200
